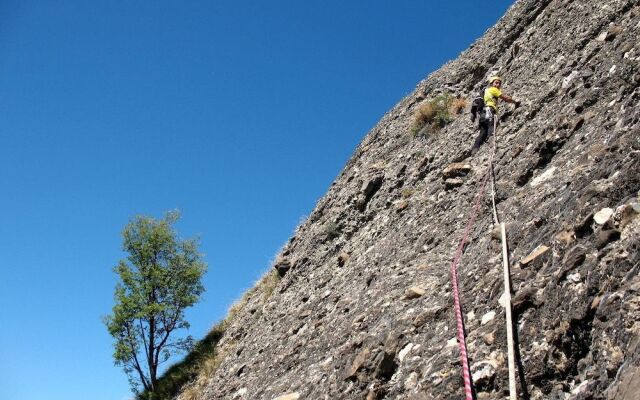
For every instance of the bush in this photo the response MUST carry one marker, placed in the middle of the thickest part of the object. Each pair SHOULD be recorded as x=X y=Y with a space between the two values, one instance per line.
x=458 y=105
x=331 y=230
x=435 y=114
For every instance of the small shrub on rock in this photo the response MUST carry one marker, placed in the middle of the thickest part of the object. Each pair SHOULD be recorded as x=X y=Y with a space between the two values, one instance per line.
x=458 y=105
x=435 y=114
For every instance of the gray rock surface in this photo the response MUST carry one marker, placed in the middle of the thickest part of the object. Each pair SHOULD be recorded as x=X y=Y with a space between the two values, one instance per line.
x=346 y=321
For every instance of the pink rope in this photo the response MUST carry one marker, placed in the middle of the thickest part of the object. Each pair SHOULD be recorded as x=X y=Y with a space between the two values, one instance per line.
x=466 y=373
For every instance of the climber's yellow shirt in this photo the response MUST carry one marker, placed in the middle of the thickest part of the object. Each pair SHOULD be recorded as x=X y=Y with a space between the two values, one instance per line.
x=491 y=96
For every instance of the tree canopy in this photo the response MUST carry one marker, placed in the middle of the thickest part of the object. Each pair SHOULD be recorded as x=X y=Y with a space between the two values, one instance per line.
x=160 y=278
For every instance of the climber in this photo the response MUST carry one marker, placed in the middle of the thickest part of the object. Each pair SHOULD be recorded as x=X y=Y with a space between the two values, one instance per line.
x=488 y=115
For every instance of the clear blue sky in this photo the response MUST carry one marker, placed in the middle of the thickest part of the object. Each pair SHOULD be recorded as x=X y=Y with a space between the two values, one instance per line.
x=240 y=114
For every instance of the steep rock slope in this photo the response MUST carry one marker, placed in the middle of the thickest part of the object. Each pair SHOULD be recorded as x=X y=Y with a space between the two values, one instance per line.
x=364 y=309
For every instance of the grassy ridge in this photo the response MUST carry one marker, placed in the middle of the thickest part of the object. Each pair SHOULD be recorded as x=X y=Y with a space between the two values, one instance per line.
x=206 y=355
x=170 y=383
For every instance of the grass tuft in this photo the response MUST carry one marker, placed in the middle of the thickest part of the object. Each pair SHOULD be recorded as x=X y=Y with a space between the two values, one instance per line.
x=331 y=230
x=406 y=192
x=458 y=105
x=435 y=114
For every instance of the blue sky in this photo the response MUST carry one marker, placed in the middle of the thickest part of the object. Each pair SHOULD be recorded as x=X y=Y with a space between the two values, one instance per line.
x=240 y=114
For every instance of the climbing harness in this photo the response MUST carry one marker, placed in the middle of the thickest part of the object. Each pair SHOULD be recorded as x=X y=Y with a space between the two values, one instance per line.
x=505 y=299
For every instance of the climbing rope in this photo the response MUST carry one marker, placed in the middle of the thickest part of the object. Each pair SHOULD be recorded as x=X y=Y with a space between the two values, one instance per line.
x=506 y=297
x=507 y=307
x=496 y=221
x=466 y=372
x=462 y=344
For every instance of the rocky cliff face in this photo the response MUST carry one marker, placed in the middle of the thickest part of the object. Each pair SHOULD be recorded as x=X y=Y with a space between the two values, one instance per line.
x=364 y=309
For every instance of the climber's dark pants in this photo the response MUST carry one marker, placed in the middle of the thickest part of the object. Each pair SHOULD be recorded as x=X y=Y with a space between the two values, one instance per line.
x=486 y=124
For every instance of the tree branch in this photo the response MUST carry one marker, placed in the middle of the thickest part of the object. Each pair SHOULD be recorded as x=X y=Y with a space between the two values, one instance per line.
x=144 y=338
x=137 y=366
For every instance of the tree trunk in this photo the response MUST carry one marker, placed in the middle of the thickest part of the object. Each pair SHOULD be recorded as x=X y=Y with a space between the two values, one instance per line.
x=150 y=359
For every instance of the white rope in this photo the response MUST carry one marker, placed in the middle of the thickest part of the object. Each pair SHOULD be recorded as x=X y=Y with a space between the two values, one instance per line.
x=493 y=188
x=506 y=297
x=507 y=306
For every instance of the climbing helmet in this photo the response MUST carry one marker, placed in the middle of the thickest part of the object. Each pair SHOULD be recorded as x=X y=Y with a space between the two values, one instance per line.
x=494 y=78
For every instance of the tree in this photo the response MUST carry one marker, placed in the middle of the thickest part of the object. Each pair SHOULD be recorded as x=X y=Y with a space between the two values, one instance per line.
x=160 y=278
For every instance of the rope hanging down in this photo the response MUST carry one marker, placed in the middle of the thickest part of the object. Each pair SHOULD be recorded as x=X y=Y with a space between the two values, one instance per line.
x=462 y=345
x=506 y=300
x=506 y=303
